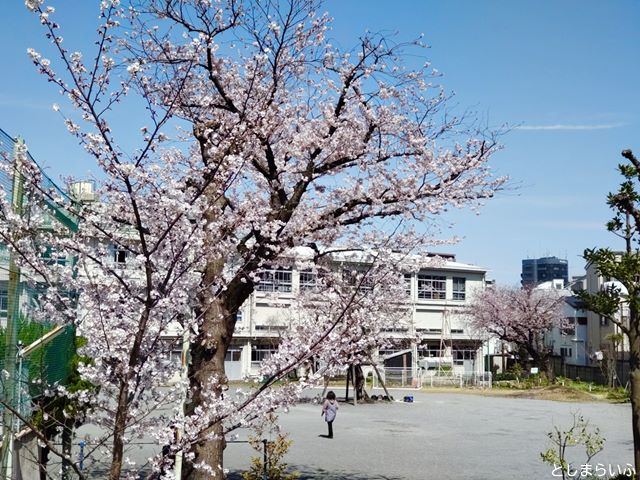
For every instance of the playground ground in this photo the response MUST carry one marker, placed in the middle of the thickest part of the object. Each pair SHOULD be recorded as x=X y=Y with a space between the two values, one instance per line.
x=440 y=436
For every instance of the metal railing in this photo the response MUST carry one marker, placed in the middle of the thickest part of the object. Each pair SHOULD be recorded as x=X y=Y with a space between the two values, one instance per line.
x=400 y=377
x=457 y=379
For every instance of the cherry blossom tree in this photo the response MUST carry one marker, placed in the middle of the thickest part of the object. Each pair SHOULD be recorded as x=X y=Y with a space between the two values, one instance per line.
x=259 y=136
x=521 y=316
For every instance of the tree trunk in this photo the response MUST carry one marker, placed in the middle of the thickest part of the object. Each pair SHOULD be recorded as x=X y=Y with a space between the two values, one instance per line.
x=544 y=364
x=67 y=444
x=346 y=390
x=523 y=354
x=43 y=461
x=611 y=368
x=207 y=378
x=634 y=377
x=122 y=405
x=118 y=433
x=541 y=356
x=206 y=372
x=548 y=367
x=361 y=393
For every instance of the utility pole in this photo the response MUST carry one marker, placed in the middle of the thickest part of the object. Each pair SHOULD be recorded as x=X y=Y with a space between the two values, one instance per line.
x=11 y=338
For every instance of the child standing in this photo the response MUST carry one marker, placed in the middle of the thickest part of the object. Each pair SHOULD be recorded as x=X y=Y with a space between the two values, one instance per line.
x=329 y=410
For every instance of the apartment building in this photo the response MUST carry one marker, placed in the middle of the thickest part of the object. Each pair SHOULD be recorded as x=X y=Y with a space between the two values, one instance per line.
x=569 y=342
x=599 y=329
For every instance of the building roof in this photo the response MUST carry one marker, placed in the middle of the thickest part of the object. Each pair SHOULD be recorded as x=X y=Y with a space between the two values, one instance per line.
x=415 y=262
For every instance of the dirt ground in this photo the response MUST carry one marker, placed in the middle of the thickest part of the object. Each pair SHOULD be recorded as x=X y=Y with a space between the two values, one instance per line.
x=556 y=393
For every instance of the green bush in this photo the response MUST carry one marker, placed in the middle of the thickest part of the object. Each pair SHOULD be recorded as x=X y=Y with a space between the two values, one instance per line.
x=517 y=370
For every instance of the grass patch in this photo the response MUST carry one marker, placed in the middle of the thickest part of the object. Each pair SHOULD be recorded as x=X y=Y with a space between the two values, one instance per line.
x=563 y=389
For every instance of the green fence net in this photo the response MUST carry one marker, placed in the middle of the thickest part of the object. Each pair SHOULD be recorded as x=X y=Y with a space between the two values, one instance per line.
x=26 y=377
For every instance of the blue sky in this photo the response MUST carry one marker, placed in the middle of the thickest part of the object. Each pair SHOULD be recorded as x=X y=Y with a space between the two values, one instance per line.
x=563 y=74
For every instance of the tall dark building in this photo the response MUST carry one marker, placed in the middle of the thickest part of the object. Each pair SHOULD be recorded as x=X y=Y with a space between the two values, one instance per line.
x=538 y=270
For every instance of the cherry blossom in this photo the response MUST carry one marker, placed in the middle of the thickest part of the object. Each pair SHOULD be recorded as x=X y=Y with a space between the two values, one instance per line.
x=521 y=316
x=259 y=136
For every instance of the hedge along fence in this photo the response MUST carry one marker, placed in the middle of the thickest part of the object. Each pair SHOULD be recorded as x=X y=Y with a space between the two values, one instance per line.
x=589 y=373
x=25 y=377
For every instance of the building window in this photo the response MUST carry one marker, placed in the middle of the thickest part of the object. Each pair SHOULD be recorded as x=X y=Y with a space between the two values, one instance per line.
x=53 y=258
x=569 y=327
x=4 y=303
x=604 y=321
x=566 y=352
x=459 y=288
x=460 y=355
x=233 y=355
x=119 y=256
x=432 y=287
x=275 y=280
x=260 y=354
x=358 y=277
x=407 y=284
x=308 y=281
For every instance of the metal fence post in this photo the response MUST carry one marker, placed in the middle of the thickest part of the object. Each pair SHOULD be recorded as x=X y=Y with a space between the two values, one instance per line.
x=81 y=454
x=265 y=461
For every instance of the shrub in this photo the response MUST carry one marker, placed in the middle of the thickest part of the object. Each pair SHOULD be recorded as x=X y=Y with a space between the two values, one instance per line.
x=276 y=450
x=506 y=376
x=517 y=370
x=579 y=433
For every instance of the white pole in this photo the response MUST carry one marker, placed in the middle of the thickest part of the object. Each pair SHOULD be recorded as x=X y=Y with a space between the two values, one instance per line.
x=18 y=394
x=184 y=377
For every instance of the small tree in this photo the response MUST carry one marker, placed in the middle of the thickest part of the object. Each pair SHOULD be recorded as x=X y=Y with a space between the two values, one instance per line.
x=519 y=316
x=625 y=268
x=578 y=434
x=277 y=447
x=610 y=359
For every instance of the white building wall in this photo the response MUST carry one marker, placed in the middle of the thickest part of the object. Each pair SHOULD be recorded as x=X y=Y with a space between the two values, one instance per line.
x=598 y=327
x=265 y=314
